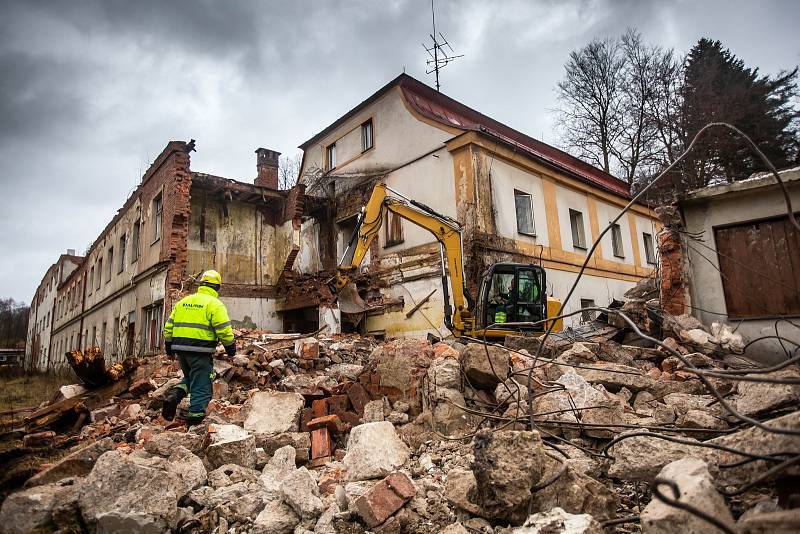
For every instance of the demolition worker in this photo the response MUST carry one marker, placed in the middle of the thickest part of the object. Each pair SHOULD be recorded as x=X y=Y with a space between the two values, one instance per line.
x=195 y=326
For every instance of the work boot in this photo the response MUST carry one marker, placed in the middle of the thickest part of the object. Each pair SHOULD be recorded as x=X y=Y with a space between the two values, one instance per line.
x=171 y=400
x=191 y=418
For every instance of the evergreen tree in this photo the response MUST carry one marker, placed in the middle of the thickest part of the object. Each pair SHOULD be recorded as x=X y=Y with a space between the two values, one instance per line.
x=717 y=86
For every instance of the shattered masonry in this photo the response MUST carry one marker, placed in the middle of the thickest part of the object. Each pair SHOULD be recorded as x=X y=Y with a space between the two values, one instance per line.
x=344 y=434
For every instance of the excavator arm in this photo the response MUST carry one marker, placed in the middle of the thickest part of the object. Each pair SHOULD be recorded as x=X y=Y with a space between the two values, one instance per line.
x=447 y=232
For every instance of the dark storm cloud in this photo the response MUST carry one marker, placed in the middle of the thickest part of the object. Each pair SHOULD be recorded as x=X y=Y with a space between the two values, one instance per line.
x=91 y=91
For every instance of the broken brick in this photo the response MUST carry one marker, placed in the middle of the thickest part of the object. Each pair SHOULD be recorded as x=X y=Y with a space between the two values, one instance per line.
x=385 y=498
x=358 y=397
x=305 y=416
x=319 y=408
x=337 y=404
x=320 y=443
x=350 y=418
x=331 y=422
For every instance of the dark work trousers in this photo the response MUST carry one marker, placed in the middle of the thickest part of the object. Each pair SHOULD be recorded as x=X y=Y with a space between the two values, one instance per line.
x=198 y=372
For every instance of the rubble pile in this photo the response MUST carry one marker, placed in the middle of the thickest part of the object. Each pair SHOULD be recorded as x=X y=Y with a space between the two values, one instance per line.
x=345 y=434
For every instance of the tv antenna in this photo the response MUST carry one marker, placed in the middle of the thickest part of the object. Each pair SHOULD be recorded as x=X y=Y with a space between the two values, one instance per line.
x=439 y=55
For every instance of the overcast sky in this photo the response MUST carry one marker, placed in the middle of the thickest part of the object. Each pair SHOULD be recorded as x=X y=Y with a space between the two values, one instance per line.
x=91 y=91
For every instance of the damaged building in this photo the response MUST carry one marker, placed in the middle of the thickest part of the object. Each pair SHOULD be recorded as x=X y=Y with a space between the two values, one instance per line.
x=176 y=224
x=518 y=199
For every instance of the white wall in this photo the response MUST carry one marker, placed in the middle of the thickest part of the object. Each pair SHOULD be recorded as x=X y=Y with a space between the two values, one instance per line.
x=707 y=291
x=505 y=179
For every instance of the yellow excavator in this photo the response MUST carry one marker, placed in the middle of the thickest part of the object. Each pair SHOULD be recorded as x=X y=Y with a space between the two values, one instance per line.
x=512 y=297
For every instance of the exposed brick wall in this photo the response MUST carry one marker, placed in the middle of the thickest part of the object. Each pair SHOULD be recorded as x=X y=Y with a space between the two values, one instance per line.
x=175 y=229
x=674 y=289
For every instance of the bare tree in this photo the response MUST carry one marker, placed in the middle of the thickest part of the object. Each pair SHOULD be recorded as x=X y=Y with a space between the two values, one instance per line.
x=591 y=91
x=618 y=95
x=289 y=170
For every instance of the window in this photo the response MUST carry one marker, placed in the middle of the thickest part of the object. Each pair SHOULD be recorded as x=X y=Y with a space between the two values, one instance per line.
x=151 y=331
x=524 y=206
x=330 y=157
x=392 y=229
x=578 y=234
x=366 y=136
x=114 y=336
x=135 y=240
x=587 y=315
x=616 y=241
x=122 y=246
x=649 y=250
x=93 y=341
x=99 y=273
x=110 y=264
x=90 y=285
x=157 y=206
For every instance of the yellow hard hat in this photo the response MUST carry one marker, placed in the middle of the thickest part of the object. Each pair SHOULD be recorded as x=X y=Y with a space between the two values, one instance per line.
x=211 y=277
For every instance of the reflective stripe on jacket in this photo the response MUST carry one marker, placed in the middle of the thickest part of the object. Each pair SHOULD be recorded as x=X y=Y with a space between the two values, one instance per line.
x=197 y=322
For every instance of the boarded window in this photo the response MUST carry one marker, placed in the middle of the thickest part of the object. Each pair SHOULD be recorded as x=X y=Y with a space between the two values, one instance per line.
x=760 y=268
x=393 y=229
x=524 y=207
x=649 y=250
x=616 y=241
x=578 y=234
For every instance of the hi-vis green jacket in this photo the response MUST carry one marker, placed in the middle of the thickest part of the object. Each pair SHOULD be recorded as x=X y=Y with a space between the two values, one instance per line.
x=197 y=322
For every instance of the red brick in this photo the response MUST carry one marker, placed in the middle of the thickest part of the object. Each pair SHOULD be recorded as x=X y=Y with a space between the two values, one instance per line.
x=319 y=462
x=385 y=498
x=331 y=422
x=358 y=397
x=337 y=404
x=321 y=443
x=319 y=408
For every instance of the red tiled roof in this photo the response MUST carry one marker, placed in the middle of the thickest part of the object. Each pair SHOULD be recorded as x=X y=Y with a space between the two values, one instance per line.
x=441 y=108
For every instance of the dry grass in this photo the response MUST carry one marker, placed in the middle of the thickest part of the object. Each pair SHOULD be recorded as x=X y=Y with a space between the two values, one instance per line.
x=28 y=391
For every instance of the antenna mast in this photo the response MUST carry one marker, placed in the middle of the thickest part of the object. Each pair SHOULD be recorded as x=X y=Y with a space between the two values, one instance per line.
x=439 y=57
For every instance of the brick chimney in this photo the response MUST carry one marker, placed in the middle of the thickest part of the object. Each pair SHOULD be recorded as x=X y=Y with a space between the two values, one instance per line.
x=267 y=165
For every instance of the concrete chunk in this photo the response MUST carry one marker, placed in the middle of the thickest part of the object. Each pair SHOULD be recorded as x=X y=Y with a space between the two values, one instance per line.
x=273 y=412
x=374 y=450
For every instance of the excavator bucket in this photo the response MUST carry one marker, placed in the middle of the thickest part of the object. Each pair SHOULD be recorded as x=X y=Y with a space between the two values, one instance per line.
x=350 y=301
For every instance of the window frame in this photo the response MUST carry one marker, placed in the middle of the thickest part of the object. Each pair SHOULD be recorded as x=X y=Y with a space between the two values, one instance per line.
x=136 y=237
x=522 y=194
x=330 y=157
x=649 y=252
x=123 y=245
x=110 y=261
x=589 y=315
x=388 y=223
x=367 y=131
x=617 y=244
x=577 y=228
x=99 y=277
x=157 y=210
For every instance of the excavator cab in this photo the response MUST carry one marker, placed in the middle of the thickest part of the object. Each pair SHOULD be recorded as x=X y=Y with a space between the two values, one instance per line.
x=512 y=293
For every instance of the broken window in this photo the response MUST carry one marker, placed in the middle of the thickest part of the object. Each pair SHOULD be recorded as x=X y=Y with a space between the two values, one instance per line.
x=122 y=247
x=587 y=315
x=157 y=207
x=114 y=336
x=616 y=241
x=91 y=279
x=330 y=157
x=151 y=331
x=524 y=207
x=649 y=250
x=99 y=273
x=110 y=264
x=135 y=240
x=103 y=336
x=366 y=136
x=392 y=229
x=578 y=234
